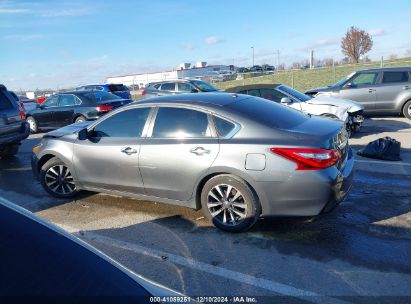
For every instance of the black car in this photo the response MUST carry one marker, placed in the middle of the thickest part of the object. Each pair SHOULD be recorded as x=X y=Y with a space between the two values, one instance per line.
x=179 y=86
x=41 y=260
x=256 y=68
x=13 y=127
x=242 y=70
x=66 y=108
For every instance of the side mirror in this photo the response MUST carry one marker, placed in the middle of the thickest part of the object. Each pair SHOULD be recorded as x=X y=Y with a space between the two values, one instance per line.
x=194 y=91
x=348 y=85
x=286 y=100
x=83 y=134
x=41 y=106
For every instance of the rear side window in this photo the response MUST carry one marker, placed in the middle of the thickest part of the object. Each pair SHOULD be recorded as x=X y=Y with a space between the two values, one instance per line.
x=117 y=87
x=184 y=87
x=393 y=77
x=224 y=127
x=180 y=123
x=5 y=101
x=128 y=123
x=268 y=113
x=169 y=86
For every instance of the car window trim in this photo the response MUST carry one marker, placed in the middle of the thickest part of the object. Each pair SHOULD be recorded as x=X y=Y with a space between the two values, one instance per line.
x=91 y=127
x=213 y=131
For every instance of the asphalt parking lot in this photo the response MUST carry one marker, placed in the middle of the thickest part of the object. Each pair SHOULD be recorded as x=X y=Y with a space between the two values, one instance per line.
x=359 y=251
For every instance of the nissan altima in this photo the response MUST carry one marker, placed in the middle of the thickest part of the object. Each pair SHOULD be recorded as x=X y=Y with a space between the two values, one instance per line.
x=236 y=157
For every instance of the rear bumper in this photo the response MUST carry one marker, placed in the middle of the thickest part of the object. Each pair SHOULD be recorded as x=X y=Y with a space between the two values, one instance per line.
x=307 y=193
x=15 y=137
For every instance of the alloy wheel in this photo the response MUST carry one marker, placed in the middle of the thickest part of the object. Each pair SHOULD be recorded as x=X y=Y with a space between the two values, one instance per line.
x=59 y=180
x=226 y=205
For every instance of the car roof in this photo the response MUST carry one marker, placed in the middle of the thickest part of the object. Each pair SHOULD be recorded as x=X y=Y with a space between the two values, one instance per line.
x=198 y=99
x=172 y=80
x=399 y=68
x=252 y=86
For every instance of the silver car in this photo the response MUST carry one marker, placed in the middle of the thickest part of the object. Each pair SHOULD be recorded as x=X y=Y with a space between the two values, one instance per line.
x=382 y=90
x=236 y=157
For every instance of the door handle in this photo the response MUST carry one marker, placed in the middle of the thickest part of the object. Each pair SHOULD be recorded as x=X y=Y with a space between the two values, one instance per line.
x=371 y=90
x=129 y=151
x=406 y=87
x=200 y=151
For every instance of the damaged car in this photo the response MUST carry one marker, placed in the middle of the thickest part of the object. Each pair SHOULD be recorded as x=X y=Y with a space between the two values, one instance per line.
x=346 y=110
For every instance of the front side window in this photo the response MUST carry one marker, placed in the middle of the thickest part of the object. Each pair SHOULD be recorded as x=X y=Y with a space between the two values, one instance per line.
x=180 y=123
x=67 y=100
x=393 y=77
x=364 y=79
x=184 y=87
x=272 y=94
x=128 y=123
x=52 y=101
x=169 y=86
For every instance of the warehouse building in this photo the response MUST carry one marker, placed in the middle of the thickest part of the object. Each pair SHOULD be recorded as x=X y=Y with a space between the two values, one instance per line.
x=185 y=70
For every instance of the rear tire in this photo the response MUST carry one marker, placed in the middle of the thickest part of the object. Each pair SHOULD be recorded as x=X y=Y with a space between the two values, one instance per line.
x=230 y=203
x=10 y=150
x=33 y=124
x=80 y=118
x=56 y=179
x=406 y=110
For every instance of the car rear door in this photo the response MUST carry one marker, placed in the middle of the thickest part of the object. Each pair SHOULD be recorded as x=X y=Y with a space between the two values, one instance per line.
x=392 y=84
x=180 y=147
x=362 y=89
x=109 y=158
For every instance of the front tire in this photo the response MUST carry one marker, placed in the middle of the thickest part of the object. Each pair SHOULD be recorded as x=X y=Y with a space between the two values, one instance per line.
x=33 y=124
x=407 y=109
x=57 y=180
x=81 y=118
x=230 y=203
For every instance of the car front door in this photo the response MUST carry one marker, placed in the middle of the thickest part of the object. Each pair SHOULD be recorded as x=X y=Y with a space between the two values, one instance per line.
x=44 y=115
x=392 y=84
x=108 y=158
x=63 y=115
x=362 y=89
x=179 y=148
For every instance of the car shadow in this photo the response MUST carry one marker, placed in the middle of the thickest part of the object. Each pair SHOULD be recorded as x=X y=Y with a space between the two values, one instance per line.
x=373 y=126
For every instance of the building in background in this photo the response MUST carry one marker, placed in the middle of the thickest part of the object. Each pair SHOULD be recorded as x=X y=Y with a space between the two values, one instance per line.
x=185 y=70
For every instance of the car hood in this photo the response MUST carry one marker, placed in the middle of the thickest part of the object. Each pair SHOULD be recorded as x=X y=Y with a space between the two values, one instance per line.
x=352 y=106
x=68 y=130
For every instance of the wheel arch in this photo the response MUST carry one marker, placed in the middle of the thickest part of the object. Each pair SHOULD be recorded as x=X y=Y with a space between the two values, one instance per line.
x=211 y=174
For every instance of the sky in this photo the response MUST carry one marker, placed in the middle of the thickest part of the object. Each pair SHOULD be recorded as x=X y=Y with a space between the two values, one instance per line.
x=59 y=44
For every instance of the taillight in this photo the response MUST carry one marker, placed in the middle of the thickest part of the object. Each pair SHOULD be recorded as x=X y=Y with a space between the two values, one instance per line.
x=22 y=111
x=143 y=92
x=104 y=108
x=309 y=158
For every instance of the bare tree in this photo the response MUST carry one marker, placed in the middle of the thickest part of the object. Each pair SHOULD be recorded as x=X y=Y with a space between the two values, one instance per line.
x=328 y=62
x=356 y=43
x=393 y=57
x=281 y=67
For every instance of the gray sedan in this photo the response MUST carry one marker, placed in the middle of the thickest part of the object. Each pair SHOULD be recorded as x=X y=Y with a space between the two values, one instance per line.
x=235 y=157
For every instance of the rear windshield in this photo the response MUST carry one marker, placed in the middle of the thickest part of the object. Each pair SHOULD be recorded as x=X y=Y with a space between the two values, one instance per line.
x=5 y=102
x=117 y=87
x=97 y=97
x=203 y=86
x=296 y=94
x=268 y=113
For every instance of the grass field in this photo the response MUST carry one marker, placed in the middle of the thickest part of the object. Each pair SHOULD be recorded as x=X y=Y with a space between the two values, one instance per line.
x=306 y=79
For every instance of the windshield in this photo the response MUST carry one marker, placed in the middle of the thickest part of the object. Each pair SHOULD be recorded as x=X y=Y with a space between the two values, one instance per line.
x=343 y=80
x=99 y=96
x=294 y=93
x=204 y=86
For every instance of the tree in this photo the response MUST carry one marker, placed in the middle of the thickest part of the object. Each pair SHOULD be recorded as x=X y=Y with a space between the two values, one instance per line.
x=356 y=43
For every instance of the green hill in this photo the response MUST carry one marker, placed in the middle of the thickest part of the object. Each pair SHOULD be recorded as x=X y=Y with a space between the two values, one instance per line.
x=306 y=79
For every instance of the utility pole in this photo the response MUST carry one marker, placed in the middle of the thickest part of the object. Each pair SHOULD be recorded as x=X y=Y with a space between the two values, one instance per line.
x=253 y=54
x=278 y=57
